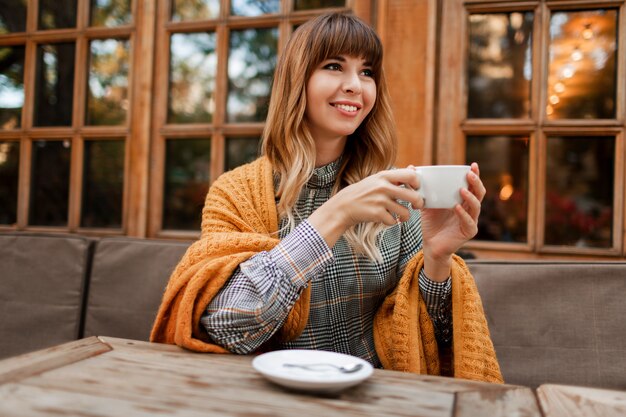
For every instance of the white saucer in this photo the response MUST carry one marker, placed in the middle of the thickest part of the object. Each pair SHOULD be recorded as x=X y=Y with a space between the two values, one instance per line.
x=328 y=379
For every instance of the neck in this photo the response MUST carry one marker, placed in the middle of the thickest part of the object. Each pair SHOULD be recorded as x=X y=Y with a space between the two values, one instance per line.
x=327 y=151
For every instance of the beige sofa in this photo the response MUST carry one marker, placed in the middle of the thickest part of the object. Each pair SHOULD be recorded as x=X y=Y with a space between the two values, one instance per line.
x=551 y=322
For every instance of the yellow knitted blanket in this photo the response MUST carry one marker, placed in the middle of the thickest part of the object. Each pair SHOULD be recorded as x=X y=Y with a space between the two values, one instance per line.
x=242 y=201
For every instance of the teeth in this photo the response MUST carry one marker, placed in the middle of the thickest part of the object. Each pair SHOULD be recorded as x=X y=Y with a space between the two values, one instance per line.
x=346 y=107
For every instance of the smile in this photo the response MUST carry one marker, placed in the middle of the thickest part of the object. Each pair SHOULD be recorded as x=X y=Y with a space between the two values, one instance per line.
x=346 y=107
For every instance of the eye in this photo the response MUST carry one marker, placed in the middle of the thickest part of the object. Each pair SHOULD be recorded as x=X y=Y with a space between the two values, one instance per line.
x=333 y=66
x=367 y=72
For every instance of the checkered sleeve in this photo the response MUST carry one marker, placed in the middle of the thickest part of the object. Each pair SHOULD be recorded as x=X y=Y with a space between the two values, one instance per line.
x=438 y=299
x=260 y=294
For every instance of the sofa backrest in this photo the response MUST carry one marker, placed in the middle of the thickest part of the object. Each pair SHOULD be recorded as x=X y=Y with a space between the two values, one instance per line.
x=42 y=280
x=128 y=278
x=556 y=322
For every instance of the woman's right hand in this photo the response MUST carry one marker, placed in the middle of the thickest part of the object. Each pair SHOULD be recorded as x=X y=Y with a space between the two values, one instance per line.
x=373 y=199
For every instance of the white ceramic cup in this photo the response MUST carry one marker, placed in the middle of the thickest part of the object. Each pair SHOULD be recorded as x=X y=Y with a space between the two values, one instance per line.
x=440 y=185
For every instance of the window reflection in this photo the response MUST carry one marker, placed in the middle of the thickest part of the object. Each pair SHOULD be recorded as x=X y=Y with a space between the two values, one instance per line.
x=103 y=184
x=582 y=67
x=500 y=65
x=195 y=9
x=9 y=170
x=193 y=64
x=107 y=89
x=110 y=13
x=11 y=86
x=54 y=84
x=317 y=4
x=50 y=181
x=251 y=63
x=187 y=167
x=254 y=7
x=57 y=14
x=240 y=151
x=12 y=16
x=579 y=191
x=504 y=168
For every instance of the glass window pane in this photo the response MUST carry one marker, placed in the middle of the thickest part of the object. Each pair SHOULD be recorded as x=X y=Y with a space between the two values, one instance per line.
x=579 y=191
x=195 y=9
x=54 y=84
x=193 y=64
x=103 y=184
x=251 y=63
x=317 y=4
x=187 y=164
x=504 y=165
x=254 y=7
x=11 y=86
x=9 y=170
x=240 y=151
x=582 y=68
x=12 y=16
x=57 y=14
x=49 y=183
x=110 y=13
x=107 y=87
x=499 y=65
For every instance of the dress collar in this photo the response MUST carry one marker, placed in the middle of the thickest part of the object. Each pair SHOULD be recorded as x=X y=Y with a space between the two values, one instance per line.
x=324 y=176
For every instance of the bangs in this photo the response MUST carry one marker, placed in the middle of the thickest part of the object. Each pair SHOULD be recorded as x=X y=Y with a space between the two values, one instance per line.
x=340 y=34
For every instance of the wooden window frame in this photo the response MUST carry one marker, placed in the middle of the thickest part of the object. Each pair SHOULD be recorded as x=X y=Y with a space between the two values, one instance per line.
x=78 y=132
x=452 y=125
x=219 y=129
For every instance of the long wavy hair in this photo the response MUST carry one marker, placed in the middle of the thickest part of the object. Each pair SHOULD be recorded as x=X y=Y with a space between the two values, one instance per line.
x=287 y=141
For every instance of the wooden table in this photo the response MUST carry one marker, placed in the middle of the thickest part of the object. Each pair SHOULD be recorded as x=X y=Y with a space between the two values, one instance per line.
x=569 y=401
x=104 y=376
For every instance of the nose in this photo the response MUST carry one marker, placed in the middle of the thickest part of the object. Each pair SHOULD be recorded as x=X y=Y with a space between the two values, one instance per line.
x=352 y=83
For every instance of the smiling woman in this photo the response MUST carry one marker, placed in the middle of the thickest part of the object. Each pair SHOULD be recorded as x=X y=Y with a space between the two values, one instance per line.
x=311 y=245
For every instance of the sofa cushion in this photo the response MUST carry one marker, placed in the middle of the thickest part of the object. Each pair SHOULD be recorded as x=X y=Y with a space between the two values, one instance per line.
x=41 y=290
x=556 y=322
x=128 y=278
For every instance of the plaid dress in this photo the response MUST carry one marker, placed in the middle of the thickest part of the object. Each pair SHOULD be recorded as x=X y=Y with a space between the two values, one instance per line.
x=346 y=288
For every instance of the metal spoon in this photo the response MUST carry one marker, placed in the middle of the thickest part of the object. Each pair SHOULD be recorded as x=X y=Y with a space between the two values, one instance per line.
x=345 y=369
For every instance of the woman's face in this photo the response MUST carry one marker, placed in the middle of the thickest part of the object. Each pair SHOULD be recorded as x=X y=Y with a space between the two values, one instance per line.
x=340 y=94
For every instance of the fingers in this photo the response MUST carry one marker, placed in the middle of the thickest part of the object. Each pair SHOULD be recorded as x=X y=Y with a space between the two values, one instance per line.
x=475 y=184
x=471 y=204
x=469 y=224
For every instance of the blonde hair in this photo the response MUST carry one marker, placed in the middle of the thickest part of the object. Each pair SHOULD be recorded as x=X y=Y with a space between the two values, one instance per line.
x=287 y=141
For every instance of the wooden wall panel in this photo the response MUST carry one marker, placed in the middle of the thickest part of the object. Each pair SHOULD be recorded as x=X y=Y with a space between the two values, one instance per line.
x=408 y=30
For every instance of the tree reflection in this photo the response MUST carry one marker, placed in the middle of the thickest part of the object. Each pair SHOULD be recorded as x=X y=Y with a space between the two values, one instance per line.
x=11 y=86
x=195 y=9
x=317 y=4
x=250 y=68
x=54 y=84
x=110 y=12
x=193 y=64
x=103 y=184
x=12 y=16
x=50 y=181
x=107 y=101
x=57 y=14
x=254 y=7
x=186 y=182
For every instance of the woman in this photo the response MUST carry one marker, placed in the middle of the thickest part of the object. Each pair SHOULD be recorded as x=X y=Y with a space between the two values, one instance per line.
x=319 y=243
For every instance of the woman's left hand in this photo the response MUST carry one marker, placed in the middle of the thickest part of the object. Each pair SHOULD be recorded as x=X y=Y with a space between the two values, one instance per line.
x=445 y=231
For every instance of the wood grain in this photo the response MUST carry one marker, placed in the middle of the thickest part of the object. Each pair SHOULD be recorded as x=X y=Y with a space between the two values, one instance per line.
x=570 y=401
x=113 y=377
